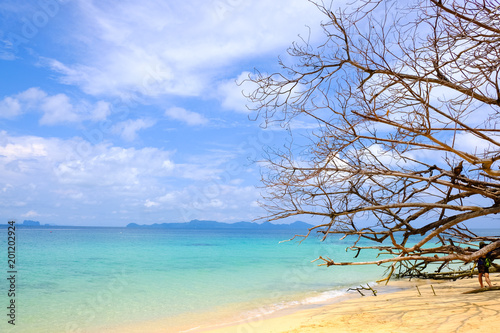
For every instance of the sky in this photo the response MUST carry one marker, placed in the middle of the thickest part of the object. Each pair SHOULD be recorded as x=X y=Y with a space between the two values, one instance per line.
x=113 y=112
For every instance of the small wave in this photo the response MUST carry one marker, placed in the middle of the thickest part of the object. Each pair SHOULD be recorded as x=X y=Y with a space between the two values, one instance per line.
x=324 y=297
x=320 y=299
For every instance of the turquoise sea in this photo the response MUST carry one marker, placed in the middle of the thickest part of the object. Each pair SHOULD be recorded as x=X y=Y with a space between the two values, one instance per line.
x=90 y=279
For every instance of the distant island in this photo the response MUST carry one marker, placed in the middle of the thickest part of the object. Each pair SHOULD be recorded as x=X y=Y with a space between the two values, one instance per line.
x=31 y=223
x=28 y=223
x=197 y=224
x=192 y=225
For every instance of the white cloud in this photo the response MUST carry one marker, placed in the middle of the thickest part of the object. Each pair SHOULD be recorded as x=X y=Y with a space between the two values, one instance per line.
x=9 y=107
x=59 y=179
x=23 y=150
x=232 y=93
x=375 y=154
x=76 y=161
x=58 y=109
x=189 y=117
x=4 y=55
x=70 y=193
x=150 y=204
x=32 y=96
x=54 y=175
x=212 y=200
x=101 y=111
x=30 y=213
x=155 y=47
x=128 y=129
x=55 y=109
x=137 y=51
x=7 y=187
x=114 y=168
x=475 y=145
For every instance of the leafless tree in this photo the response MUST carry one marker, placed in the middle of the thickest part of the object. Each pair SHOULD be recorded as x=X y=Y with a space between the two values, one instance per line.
x=406 y=97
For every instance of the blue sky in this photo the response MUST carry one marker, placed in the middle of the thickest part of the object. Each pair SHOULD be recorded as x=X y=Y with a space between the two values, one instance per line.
x=114 y=112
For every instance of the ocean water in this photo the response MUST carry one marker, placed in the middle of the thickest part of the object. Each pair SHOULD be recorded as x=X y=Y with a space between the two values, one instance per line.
x=89 y=279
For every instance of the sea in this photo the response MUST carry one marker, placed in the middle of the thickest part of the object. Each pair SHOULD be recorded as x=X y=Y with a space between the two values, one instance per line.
x=92 y=279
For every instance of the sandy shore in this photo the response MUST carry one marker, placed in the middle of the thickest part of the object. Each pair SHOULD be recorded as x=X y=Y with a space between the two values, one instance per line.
x=449 y=310
x=409 y=310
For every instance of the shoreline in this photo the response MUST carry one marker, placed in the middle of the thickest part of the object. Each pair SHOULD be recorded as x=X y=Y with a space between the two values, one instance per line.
x=262 y=315
x=304 y=306
x=233 y=314
x=436 y=306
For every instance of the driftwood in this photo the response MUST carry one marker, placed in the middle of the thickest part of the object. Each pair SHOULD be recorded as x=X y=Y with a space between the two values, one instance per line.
x=358 y=289
x=448 y=275
x=480 y=290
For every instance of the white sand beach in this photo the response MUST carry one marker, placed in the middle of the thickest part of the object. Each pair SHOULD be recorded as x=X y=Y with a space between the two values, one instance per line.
x=435 y=306
x=448 y=310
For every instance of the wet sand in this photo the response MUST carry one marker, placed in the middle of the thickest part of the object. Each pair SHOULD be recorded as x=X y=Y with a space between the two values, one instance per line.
x=410 y=310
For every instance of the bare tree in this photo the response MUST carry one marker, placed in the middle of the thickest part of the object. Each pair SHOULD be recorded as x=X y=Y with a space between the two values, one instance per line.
x=406 y=97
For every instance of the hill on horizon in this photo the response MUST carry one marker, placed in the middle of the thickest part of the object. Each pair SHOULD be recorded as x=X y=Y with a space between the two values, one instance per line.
x=202 y=224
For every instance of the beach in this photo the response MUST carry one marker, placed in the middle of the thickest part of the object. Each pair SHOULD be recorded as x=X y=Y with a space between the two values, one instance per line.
x=117 y=280
x=445 y=309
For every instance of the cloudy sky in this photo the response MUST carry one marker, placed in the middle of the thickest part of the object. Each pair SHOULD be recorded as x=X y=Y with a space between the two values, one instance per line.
x=114 y=112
